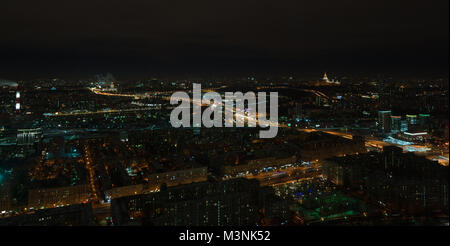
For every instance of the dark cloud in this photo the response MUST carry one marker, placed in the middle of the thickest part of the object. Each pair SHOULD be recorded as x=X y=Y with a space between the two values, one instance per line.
x=138 y=36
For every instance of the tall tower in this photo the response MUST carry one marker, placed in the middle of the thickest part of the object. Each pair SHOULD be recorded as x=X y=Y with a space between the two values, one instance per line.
x=17 y=100
x=325 y=77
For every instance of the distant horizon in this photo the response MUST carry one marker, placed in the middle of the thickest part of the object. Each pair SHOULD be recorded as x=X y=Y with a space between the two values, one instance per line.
x=425 y=75
x=225 y=38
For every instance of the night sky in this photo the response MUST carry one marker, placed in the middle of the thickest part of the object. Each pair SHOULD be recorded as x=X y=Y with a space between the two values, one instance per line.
x=135 y=38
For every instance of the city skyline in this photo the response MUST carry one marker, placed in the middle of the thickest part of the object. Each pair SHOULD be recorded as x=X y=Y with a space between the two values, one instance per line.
x=224 y=120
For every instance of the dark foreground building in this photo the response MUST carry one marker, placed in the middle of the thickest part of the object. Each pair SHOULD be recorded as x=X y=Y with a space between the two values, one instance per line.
x=74 y=215
x=232 y=202
x=401 y=182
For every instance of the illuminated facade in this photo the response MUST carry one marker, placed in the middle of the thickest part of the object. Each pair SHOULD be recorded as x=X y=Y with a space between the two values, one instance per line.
x=325 y=78
x=28 y=136
x=56 y=197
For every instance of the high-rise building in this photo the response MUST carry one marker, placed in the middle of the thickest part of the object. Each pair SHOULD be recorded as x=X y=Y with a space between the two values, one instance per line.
x=231 y=202
x=403 y=181
x=384 y=121
x=298 y=110
x=396 y=123
x=423 y=119
x=403 y=125
x=17 y=101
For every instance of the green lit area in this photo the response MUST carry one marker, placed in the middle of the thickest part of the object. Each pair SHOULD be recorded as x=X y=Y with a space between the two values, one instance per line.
x=331 y=205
